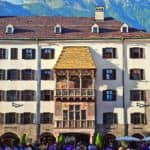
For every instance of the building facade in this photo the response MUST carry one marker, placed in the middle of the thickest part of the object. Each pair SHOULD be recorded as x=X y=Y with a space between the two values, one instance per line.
x=73 y=76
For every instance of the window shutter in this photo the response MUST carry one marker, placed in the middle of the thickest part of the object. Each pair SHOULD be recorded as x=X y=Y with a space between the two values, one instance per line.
x=17 y=118
x=52 y=53
x=1 y=118
x=114 y=53
x=114 y=74
x=115 y=118
x=31 y=118
x=141 y=53
x=104 y=74
x=142 y=74
x=147 y=95
x=23 y=53
x=33 y=53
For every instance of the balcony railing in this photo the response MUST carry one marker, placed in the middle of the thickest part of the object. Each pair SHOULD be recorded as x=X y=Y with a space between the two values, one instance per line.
x=75 y=124
x=75 y=92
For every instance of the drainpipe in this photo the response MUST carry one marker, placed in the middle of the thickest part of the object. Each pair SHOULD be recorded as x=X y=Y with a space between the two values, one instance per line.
x=38 y=91
x=124 y=88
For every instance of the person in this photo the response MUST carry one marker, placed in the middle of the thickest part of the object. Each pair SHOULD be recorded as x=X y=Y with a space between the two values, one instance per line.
x=50 y=146
x=92 y=147
x=42 y=146
x=110 y=147
x=121 y=147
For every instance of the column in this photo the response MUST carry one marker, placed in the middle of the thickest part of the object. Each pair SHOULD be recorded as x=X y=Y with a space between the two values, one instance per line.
x=80 y=78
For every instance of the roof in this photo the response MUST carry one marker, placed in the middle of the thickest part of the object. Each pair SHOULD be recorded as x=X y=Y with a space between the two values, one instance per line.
x=75 y=57
x=42 y=27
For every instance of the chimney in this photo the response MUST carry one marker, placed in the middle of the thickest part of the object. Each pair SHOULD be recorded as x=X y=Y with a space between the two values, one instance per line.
x=99 y=13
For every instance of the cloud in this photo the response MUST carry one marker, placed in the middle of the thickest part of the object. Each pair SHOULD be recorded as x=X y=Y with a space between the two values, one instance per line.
x=55 y=3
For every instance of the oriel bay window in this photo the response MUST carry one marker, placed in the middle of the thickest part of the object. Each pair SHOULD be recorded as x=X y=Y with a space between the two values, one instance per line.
x=137 y=95
x=28 y=53
x=13 y=74
x=13 y=95
x=46 y=117
x=136 y=52
x=28 y=95
x=110 y=118
x=109 y=52
x=47 y=53
x=109 y=95
x=27 y=118
x=46 y=74
x=11 y=118
x=137 y=74
x=2 y=74
x=28 y=74
x=47 y=95
x=138 y=118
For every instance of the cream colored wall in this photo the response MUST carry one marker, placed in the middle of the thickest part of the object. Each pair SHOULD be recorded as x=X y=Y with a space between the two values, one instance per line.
x=96 y=50
x=143 y=63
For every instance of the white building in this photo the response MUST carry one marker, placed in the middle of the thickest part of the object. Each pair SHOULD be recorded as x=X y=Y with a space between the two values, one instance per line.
x=80 y=75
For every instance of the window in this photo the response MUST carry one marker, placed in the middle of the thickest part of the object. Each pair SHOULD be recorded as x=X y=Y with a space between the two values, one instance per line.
x=28 y=95
x=47 y=53
x=95 y=28
x=58 y=29
x=46 y=74
x=14 y=53
x=47 y=95
x=136 y=52
x=109 y=95
x=109 y=74
x=124 y=28
x=137 y=95
x=12 y=95
x=2 y=53
x=28 y=74
x=27 y=118
x=47 y=118
x=28 y=53
x=110 y=118
x=13 y=74
x=109 y=52
x=2 y=95
x=10 y=118
x=10 y=28
x=2 y=74
x=136 y=74
x=138 y=118
x=74 y=113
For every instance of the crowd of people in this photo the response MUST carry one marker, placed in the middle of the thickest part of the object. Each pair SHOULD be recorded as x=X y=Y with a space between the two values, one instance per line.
x=72 y=146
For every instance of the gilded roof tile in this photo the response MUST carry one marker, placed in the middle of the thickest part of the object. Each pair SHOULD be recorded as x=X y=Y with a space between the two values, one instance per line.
x=75 y=57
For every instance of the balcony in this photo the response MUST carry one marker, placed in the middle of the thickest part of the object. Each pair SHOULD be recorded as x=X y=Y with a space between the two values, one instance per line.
x=76 y=92
x=75 y=124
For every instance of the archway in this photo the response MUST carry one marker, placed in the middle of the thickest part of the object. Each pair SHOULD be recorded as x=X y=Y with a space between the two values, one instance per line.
x=10 y=138
x=137 y=135
x=46 y=137
x=76 y=137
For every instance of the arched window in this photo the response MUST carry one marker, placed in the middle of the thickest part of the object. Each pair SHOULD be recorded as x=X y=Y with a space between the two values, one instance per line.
x=10 y=28
x=95 y=28
x=124 y=28
x=58 y=29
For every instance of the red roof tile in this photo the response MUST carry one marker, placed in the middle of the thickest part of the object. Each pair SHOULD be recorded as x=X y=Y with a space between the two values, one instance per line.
x=42 y=27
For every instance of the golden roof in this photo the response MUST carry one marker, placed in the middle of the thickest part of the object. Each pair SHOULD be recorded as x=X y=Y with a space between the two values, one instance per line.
x=75 y=57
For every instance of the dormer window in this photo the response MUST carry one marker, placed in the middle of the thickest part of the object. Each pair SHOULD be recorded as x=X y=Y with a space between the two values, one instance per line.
x=124 y=28
x=58 y=29
x=95 y=28
x=10 y=28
